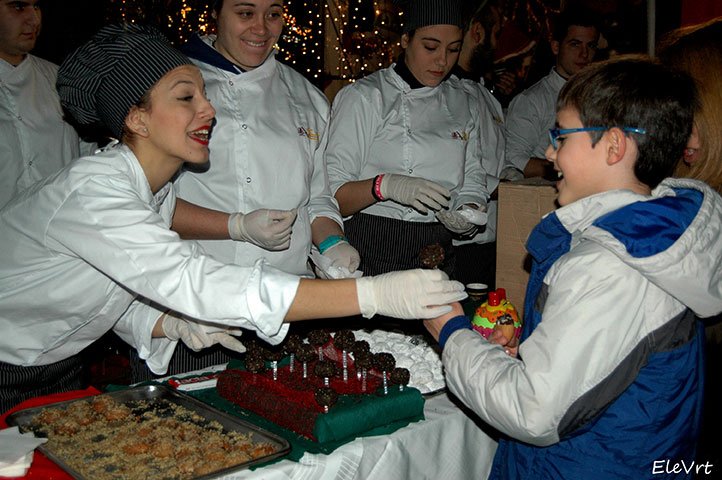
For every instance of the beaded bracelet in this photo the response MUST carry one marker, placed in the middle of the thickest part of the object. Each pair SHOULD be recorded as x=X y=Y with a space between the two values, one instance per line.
x=376 y=188
x=330 y=241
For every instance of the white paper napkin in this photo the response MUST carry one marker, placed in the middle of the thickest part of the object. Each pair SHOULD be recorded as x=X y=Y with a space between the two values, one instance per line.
x=16 y=451
x=326 y=268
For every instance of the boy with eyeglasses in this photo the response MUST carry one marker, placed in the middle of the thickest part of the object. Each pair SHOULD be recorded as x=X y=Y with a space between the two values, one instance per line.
x=607 y=380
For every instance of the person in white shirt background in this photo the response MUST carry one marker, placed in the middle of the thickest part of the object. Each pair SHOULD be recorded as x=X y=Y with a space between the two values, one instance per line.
x=266 y=161
x=404 y=152
x=35 y=141
x=97 y=252
x=531 y=113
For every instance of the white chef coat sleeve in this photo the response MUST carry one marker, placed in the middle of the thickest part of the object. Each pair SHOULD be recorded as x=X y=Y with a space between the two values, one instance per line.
x=523 y=128
x=108 y=225
x=351 y=132
x=474 y=189
x=578 y=343
x=135 y=327
x=322 y=203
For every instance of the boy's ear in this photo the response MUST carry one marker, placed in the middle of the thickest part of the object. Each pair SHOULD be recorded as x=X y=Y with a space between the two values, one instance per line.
x=616 y=145
x=405 y=40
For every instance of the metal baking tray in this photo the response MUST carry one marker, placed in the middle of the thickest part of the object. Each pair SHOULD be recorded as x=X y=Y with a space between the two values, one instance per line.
x=159 y=393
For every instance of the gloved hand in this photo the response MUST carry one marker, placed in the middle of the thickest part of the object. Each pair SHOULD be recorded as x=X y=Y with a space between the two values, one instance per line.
x=342 y=254
x=409 y=294
x=465 y=221
x=414 y=192
x=269 y=229
x=197 y=335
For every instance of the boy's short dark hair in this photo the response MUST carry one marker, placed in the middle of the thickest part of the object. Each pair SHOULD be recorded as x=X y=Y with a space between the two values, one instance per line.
x=634 y=91
x=576 y=15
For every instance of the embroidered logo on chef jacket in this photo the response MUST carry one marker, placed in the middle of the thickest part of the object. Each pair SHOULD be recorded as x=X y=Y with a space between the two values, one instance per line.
x=308 y=132
x=457 y=135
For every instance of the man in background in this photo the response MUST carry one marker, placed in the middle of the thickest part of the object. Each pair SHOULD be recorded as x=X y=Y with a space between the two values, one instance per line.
x=531 y=113
x=476 y=257
x=35 y=141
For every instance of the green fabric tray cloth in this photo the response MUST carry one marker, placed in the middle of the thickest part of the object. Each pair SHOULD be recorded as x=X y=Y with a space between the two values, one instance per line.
x=289 y=401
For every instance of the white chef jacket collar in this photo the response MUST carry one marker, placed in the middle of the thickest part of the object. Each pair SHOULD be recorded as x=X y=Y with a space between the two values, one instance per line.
x=201 y=49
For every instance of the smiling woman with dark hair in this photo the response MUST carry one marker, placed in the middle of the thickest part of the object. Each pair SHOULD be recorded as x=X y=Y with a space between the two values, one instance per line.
x=404 y=151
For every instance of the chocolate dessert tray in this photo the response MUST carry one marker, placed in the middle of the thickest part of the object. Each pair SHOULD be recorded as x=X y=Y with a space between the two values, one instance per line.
x=144 y=432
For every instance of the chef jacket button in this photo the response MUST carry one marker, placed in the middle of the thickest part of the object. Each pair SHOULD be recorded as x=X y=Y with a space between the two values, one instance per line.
x=230 y=82
x=248 y=179
x=408 y=130
x=244 y=126
x=411 y=170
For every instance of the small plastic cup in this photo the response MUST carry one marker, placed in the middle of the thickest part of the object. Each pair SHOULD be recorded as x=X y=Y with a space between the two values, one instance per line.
x=477 y=291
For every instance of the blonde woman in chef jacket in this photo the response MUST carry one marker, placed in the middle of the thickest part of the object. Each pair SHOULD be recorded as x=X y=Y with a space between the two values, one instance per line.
x=404 y=152
x=90 y=249
x=266 y=155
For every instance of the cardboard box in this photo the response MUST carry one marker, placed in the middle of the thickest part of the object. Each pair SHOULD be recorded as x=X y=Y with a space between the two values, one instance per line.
x=521 y=205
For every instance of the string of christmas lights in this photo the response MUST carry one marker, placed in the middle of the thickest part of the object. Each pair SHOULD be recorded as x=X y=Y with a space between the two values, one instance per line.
x=325 y=41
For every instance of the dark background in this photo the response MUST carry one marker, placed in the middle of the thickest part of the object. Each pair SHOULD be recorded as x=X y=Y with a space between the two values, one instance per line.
x=68 y=23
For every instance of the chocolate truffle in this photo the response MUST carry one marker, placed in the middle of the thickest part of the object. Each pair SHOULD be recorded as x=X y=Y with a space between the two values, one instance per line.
x=255 y=364
x=400 y=376
x=360 y=346
x=384 y=362
x=319 y=338
x=306 y=353
x=431 y=256
x=293 y=343
x=325 y=397
x=344 y=340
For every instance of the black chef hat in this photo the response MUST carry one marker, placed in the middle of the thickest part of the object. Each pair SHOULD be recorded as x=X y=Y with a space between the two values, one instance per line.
x=421 y=13
x=101 y=80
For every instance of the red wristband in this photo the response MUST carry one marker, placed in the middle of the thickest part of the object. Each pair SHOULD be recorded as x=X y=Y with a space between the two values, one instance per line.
x=376 y=188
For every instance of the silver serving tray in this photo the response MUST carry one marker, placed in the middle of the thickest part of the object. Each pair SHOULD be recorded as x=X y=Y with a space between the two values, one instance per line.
x=152 y=393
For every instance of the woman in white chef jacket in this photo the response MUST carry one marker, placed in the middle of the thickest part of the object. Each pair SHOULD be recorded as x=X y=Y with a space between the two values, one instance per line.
x=89 y=249
x=266 y=153
x=403 y=154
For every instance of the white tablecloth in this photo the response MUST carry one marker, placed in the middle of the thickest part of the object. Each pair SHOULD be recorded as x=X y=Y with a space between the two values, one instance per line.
x=446 y=445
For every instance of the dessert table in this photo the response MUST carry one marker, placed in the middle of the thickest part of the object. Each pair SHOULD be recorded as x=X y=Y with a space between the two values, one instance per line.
x=448 y=443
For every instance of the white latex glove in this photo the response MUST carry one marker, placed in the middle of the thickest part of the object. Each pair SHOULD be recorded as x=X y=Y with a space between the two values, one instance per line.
x=269 y=229
x=465 y=221
x=409 y=294
x=343 y=255
x=414 y=192
x=197 y=335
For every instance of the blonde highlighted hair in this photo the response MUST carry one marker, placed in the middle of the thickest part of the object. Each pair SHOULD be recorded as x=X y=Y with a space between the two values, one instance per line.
x=697 y=51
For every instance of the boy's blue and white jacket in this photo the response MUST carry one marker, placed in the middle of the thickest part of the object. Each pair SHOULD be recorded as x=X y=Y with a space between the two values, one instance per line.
x=609 y=379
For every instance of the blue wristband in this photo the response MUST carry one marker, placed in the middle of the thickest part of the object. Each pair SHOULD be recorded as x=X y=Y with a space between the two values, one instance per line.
x=459 y=322
x=330 y=241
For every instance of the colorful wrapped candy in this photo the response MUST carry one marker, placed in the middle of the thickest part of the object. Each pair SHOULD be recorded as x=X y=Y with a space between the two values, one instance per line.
x=497 y=313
